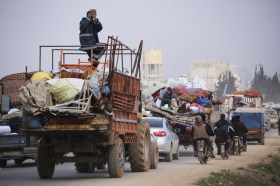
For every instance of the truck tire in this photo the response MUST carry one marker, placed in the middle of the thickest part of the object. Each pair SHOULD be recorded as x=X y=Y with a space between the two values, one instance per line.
x=3 y=163
x=85 y=167
x=116 y=159
x=45 y=165
x=139 y=153
x=154 y=156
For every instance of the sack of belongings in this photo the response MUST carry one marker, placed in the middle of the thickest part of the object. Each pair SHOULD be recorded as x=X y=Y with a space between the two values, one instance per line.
x=63 y=90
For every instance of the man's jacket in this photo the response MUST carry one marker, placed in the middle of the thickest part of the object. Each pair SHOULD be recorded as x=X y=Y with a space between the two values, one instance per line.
x=239 y=128
x=89 y=31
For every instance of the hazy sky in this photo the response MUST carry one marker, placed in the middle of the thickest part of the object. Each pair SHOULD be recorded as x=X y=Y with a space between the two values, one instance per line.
x=240 y=32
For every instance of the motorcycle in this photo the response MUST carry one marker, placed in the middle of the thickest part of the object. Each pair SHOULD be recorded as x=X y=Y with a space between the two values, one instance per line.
x=238 y=146
x=202 y=151
x=224 y=153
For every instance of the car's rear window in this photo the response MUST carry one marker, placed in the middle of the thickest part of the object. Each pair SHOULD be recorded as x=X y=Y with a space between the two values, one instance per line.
x=155 y=123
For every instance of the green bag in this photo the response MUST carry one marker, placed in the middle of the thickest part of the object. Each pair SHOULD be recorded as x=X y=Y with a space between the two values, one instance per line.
x=63 y=90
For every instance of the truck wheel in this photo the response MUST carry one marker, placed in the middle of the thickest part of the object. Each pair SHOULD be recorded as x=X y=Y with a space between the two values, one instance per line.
x=3 y=163
x=85 y=167
x=154 y=156
x=139 y=153
x=45 y=165
x=116 y=159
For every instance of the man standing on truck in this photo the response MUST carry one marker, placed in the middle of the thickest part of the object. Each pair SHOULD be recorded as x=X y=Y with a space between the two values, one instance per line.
x=89 y=28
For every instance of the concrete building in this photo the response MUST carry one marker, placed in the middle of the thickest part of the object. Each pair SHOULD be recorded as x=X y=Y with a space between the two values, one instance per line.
x=152 y=68
x=210 y=70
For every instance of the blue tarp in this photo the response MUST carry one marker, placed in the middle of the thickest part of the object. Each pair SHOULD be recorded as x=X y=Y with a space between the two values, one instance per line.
x=251 y=119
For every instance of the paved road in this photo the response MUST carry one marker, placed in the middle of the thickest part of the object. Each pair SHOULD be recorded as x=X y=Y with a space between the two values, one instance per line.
x=178 y=172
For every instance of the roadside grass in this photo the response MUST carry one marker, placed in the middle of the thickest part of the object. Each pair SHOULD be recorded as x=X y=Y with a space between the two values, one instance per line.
x=264 y=173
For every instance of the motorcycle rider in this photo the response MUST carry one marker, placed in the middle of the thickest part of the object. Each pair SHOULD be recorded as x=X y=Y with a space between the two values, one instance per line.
x=239 y=128
x=210 y=133
x=229 y=130
x=222 y=136
x=199 y=132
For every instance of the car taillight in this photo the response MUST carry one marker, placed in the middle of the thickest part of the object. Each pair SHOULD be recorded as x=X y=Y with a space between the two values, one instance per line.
x=159 y=133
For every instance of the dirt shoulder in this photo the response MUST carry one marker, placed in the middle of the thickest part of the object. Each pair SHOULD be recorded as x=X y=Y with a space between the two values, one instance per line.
x=187 y=170
x=255 y=154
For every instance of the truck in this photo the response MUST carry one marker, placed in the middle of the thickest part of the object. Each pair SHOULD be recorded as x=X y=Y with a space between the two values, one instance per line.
x=248 y=105
x=253 y=119
x=14 y=145
x=100 y=127
x=181 y=117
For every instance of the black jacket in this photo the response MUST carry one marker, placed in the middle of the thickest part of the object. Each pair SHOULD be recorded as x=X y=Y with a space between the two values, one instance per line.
x=209 y=129
x=89 y=31
x=227 y=125
x=239 y=128
x=221 y=133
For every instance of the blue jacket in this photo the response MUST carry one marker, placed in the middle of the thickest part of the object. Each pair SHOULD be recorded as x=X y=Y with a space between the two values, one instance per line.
x=89 y=31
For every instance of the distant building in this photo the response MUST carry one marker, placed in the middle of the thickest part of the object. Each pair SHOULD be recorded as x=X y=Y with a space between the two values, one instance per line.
x=210 y=70
x=152 y=68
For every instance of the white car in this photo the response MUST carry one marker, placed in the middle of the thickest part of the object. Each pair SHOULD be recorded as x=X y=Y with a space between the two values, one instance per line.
x=167 y=140
x=272 y=117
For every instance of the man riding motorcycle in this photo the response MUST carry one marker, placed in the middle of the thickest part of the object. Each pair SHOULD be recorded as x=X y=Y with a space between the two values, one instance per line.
x=229 y=130
x=239 y=128
x=222 y=136
x=199 y=132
